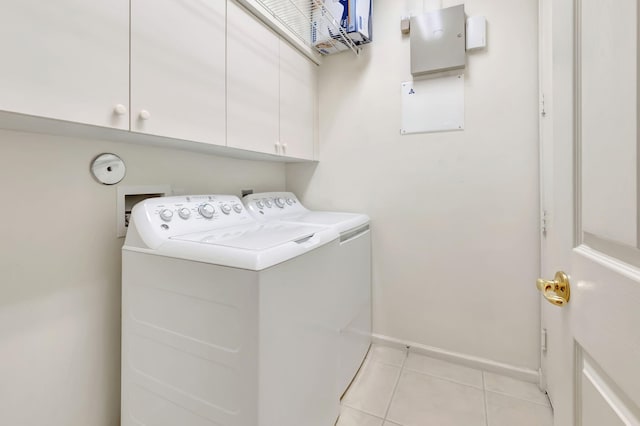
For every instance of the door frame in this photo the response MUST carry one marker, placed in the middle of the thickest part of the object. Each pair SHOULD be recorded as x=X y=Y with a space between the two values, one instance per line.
x=559 y=81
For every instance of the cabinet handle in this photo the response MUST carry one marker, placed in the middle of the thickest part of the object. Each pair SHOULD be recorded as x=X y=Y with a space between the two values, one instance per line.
x=284 y=148
x=145 y=115
x=120 y=109
x=277 y=146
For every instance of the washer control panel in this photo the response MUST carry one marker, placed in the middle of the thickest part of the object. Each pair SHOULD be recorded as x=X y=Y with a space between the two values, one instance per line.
x=272 y=205
x=185 y=214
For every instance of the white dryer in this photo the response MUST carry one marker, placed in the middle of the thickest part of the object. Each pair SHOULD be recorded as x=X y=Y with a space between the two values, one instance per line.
x=352 y=271
x=225 y=320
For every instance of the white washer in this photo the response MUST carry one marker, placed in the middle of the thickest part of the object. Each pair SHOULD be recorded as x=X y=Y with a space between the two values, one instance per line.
x=225 y=320
x=353 y=267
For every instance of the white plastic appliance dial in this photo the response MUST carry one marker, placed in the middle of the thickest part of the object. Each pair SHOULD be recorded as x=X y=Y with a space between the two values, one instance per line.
x=206 y=210
x=166 y=215
x=184 y=213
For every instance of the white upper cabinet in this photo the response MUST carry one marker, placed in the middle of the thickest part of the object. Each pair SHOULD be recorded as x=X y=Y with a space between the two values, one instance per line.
x=189 y=70
x=298 y=91
x=178 y=69
x=271 y=90
x=252 y=83
x=66 y=59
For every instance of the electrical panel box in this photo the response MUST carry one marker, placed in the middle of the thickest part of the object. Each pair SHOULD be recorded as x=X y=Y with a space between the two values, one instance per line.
x=438 y=41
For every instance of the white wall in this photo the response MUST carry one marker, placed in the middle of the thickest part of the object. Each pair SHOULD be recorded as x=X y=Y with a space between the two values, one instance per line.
x=454 y=215
x=60 y=268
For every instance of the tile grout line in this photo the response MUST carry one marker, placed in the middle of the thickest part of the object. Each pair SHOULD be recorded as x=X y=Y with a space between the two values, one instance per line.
x=362 y=412
x=484 y=395
x=368 y=360
x=519 y=398
x=395 y=387
x=514 y=396
x=446 y=379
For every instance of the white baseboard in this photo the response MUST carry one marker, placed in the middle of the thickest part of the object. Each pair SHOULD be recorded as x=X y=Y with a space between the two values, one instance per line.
x=519 y=373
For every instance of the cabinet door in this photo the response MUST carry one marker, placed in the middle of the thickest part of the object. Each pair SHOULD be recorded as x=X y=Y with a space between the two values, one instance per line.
x=252 y=83
x=298 y=91
x=66 y=59
x=178 y=69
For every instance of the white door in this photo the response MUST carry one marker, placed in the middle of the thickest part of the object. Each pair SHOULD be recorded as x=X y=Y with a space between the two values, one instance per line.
x=66 y=59
x=253 y=83
x=178 y=69
x=589 y=131
x=298 y=87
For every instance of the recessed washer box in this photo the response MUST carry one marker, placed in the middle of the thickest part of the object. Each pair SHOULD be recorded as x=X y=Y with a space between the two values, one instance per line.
x=438 y=41
x=128 y=196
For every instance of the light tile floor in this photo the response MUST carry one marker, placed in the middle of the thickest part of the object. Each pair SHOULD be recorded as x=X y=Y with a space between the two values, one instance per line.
x=396 y=388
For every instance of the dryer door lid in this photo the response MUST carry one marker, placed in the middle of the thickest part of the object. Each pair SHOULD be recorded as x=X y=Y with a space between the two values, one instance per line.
x=325 y=218
x=342 y=222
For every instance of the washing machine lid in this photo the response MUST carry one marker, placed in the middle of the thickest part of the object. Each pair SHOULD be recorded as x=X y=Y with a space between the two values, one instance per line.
x=217 y=229
x=254 y=237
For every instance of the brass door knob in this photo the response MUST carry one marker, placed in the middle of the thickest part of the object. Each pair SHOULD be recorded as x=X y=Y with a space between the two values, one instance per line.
x=557 y=292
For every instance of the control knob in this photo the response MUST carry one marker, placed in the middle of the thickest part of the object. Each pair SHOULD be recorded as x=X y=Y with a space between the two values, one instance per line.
x=206 y=210
x=260 y=204
x=184 y=213
x=290 y=201
x=237 y=208
x=166 y=215
x=268 y=203
x=279 y=202
x=225 y=208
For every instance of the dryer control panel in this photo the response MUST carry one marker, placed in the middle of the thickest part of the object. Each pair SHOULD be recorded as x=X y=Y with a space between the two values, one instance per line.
x=273 y=205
